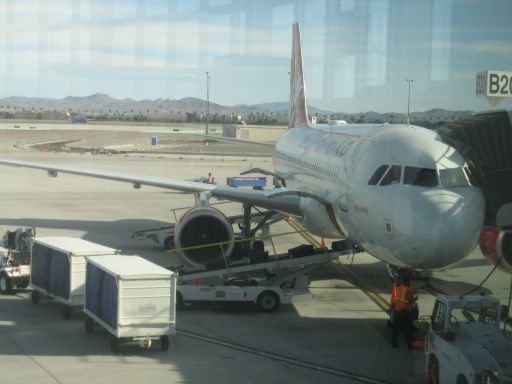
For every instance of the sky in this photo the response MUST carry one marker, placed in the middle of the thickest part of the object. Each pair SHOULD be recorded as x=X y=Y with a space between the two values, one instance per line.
x=358 y=54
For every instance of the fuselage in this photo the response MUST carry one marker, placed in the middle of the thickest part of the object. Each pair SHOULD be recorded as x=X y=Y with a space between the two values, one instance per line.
x=397 y=191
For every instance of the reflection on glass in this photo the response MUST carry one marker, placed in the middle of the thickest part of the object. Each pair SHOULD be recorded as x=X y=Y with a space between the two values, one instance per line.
x=453 y=177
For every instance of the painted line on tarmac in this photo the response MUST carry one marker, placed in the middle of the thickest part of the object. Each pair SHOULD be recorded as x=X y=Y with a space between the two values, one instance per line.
x=284 y=359
x=376 y=298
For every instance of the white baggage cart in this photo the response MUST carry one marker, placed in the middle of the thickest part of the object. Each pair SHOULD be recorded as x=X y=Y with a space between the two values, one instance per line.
x=58 y=269
x=132 y=298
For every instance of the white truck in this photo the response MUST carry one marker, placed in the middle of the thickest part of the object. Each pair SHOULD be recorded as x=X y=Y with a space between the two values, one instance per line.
x=15 y=259
x=465 y=344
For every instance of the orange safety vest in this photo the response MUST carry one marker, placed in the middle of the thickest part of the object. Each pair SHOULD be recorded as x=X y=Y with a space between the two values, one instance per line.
x=393 y=294
x=403 y=298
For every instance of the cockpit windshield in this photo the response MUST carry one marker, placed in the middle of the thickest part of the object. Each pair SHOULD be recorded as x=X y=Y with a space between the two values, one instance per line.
x=377 y=175
x=453 y=177
x=393 y=176
x=424 y=177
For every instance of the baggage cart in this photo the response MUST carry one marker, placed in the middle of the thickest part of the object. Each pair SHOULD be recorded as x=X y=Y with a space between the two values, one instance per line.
x=132 y=298
x=58 y=269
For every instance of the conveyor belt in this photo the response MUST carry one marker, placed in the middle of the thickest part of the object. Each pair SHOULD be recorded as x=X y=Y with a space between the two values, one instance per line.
x=486 y=143
x=273 y=263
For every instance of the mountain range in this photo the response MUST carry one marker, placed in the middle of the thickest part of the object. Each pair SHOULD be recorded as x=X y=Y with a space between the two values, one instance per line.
x=100 y=103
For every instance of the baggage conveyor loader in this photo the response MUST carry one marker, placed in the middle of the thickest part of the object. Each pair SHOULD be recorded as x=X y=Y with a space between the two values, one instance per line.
x=265 y=281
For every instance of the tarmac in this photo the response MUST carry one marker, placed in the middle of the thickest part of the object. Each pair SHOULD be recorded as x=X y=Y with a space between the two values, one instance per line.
x=338 y=334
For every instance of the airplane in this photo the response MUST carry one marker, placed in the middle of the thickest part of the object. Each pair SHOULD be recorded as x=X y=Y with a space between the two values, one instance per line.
x=396 y=191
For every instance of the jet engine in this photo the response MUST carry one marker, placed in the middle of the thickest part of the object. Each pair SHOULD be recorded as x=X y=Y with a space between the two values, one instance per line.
x=496 y=246
x=199 y=227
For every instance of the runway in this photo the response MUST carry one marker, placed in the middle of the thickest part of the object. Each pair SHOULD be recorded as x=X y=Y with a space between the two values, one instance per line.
x=338 y=335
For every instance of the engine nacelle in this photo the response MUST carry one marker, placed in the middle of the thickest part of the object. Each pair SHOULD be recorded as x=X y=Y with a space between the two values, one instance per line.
x=316 y=218
x=496 y=246
x=199 y=227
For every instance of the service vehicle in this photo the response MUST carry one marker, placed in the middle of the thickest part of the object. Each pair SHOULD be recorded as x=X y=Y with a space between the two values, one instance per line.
x=255 y=182
x=15 y=259
x=257 y=278
x=464 y=343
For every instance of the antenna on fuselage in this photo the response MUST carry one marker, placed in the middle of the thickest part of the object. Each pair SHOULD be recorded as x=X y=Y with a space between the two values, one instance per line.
x=408 y=98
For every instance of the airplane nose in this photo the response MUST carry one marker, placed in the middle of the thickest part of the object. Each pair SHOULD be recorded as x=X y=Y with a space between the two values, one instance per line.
x=458 y=216
x=446 y=226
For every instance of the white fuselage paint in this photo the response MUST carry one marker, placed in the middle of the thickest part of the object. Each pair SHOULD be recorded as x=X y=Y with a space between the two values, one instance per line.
x=409 y=226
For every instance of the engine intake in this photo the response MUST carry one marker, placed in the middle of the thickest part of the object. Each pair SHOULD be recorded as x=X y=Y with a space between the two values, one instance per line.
x=496 y=246
x=199 y=227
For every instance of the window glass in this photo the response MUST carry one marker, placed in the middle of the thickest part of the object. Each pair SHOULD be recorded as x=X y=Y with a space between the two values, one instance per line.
x=439 y=316
x=470 y=176
x=469 y=314
x=453 y=177
x=424 y=177
x=377 y=175
x=488 y=315
x=393 y=176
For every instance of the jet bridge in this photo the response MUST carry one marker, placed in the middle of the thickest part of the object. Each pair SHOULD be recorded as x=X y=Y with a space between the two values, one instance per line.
x=486 y=143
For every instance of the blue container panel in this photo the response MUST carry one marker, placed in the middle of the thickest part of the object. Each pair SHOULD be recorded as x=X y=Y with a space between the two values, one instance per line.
x=50 y=270
x=101 y=294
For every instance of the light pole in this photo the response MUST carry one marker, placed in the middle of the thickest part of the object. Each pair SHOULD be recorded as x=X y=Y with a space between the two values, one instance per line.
x=207 y=101
x=408 y=98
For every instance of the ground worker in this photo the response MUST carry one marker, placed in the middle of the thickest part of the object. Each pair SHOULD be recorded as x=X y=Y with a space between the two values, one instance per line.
x=392 y=302
x=403 y=306
x=209 y=180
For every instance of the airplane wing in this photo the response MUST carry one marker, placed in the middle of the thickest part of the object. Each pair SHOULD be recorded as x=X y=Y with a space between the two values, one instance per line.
x=285 y=201
x=237 y=140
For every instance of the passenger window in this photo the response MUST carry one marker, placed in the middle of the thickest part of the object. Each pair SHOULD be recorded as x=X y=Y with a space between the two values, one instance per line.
x=453 y=177
x=393 y=176
x=424 y=177
x=378 y=174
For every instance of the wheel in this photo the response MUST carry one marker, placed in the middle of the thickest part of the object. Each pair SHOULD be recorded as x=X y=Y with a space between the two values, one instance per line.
x=66 y=312
x=461 y=379
x=433 y=370
x=115 y=344
x=34 y=296
x=164 y=343
x=268 y=301
x=5 y=283
x=89 y=325
x=169 y=242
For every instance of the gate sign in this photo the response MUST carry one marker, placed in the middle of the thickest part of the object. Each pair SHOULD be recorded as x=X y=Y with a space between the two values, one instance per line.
x=494 y=84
